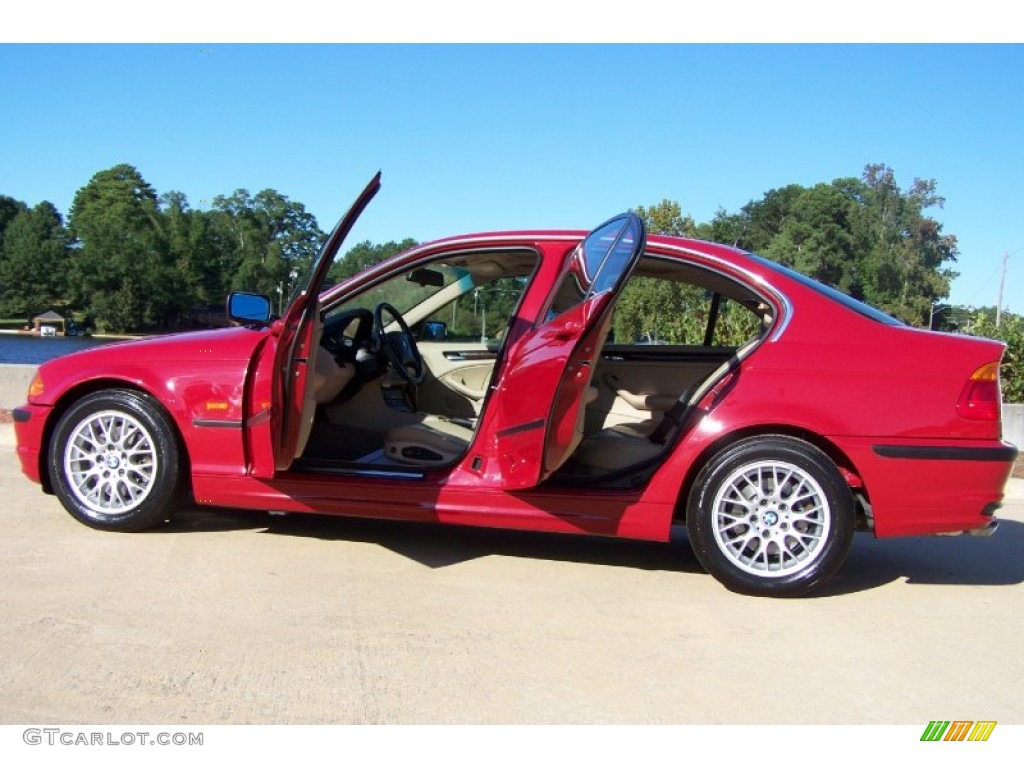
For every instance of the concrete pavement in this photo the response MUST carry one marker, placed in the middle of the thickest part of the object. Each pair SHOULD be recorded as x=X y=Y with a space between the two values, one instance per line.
x=14 y=381
x=244 y=618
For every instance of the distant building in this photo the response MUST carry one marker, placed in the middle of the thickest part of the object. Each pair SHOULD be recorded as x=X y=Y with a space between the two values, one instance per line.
x=48 y=324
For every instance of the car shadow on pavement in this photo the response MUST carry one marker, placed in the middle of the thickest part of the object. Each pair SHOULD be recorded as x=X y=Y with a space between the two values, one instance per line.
x=439 y=546
x=195 y=519
x=937 y=560
x=872 y=563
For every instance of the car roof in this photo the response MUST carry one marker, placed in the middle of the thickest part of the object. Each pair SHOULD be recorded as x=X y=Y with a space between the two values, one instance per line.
x=752 y=269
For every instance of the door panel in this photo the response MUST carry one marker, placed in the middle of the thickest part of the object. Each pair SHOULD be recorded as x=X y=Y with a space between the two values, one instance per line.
x=470 y=381
x=637 y=388
x=541 y=399
x=297 y=338
x=460 y=372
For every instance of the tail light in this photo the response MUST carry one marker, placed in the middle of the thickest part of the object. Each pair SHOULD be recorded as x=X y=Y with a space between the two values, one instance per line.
x=981 y=399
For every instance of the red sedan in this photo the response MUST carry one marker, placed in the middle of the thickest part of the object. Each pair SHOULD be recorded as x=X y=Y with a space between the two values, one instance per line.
x=604 y=383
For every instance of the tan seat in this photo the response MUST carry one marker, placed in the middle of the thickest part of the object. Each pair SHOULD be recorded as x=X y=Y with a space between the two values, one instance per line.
x=636 y=428
x=624 y=445
x=620 y=446
x=434 y=441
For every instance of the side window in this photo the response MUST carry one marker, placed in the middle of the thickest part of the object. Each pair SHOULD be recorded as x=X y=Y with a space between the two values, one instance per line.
x=656 y=311
x=480 y=315
x=739 y=322
x=666 y=311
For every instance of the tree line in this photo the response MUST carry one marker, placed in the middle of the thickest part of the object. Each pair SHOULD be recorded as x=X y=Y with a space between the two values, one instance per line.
x=865 y=236
x=129 y=259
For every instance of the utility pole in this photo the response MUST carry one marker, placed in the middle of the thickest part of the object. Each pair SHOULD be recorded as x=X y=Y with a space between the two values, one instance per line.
x=1002 y=279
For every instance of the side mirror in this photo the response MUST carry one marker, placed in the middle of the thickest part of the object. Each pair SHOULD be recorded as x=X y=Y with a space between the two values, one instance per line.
x=433 y=330
x=248 y=308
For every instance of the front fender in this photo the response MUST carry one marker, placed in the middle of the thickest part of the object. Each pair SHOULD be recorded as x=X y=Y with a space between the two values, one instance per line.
x=204 y=399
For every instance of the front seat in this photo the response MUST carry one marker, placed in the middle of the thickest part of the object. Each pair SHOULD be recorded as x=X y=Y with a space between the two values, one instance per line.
x=433 y=441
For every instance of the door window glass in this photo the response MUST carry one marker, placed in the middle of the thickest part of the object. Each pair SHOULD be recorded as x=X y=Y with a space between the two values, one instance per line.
x=598 y=263
x=687 y=309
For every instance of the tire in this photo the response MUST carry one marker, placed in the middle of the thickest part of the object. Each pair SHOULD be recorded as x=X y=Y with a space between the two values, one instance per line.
x=771 y=516
x=115 y=463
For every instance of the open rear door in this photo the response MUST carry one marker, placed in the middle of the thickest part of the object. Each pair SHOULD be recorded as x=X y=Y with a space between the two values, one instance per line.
x=295 y=356
x=545 y=387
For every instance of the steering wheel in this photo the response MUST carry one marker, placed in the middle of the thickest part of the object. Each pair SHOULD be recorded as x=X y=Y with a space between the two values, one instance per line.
x=399 y=347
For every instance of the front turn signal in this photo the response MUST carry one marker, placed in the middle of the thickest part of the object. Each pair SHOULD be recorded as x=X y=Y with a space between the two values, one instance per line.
x=35 y=389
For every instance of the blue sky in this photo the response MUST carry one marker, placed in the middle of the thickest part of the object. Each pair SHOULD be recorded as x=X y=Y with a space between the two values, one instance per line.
x=473 y=137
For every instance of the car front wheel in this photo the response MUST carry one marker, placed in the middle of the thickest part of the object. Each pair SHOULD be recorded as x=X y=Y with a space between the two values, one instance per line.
x=114 y=462
x=771 y=516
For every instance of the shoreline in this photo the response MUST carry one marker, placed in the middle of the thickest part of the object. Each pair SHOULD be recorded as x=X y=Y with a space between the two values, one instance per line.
x=32 y=334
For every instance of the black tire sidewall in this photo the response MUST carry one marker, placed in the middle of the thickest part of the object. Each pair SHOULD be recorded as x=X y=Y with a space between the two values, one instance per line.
x=167 y=490
x=700 y=515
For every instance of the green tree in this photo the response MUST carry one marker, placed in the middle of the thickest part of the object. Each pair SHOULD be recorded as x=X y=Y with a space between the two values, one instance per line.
x=904 y=270
x=364 y=255
x=865 y=236
x=121 y=272
x=199 y=273
x=9 y=208
x=815 y=237
x=263 y=238
x=1011 y=331
x=33 y=262
x=666 y=218
x=757 y=223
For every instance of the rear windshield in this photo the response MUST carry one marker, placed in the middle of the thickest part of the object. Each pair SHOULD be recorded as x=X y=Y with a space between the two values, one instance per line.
x=847 y=301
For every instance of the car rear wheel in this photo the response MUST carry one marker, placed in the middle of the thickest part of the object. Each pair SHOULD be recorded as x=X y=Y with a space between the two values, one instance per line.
x=114 y=462
x=772 y=516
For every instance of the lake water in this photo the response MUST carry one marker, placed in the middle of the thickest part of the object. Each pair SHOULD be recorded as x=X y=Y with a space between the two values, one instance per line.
x=16 y=348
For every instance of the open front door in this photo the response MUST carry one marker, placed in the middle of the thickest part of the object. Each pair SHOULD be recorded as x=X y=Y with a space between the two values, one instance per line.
x=295 y=356
x=545 y=387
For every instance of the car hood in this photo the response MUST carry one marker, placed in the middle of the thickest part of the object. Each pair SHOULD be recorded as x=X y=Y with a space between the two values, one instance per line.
x=223 y=343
